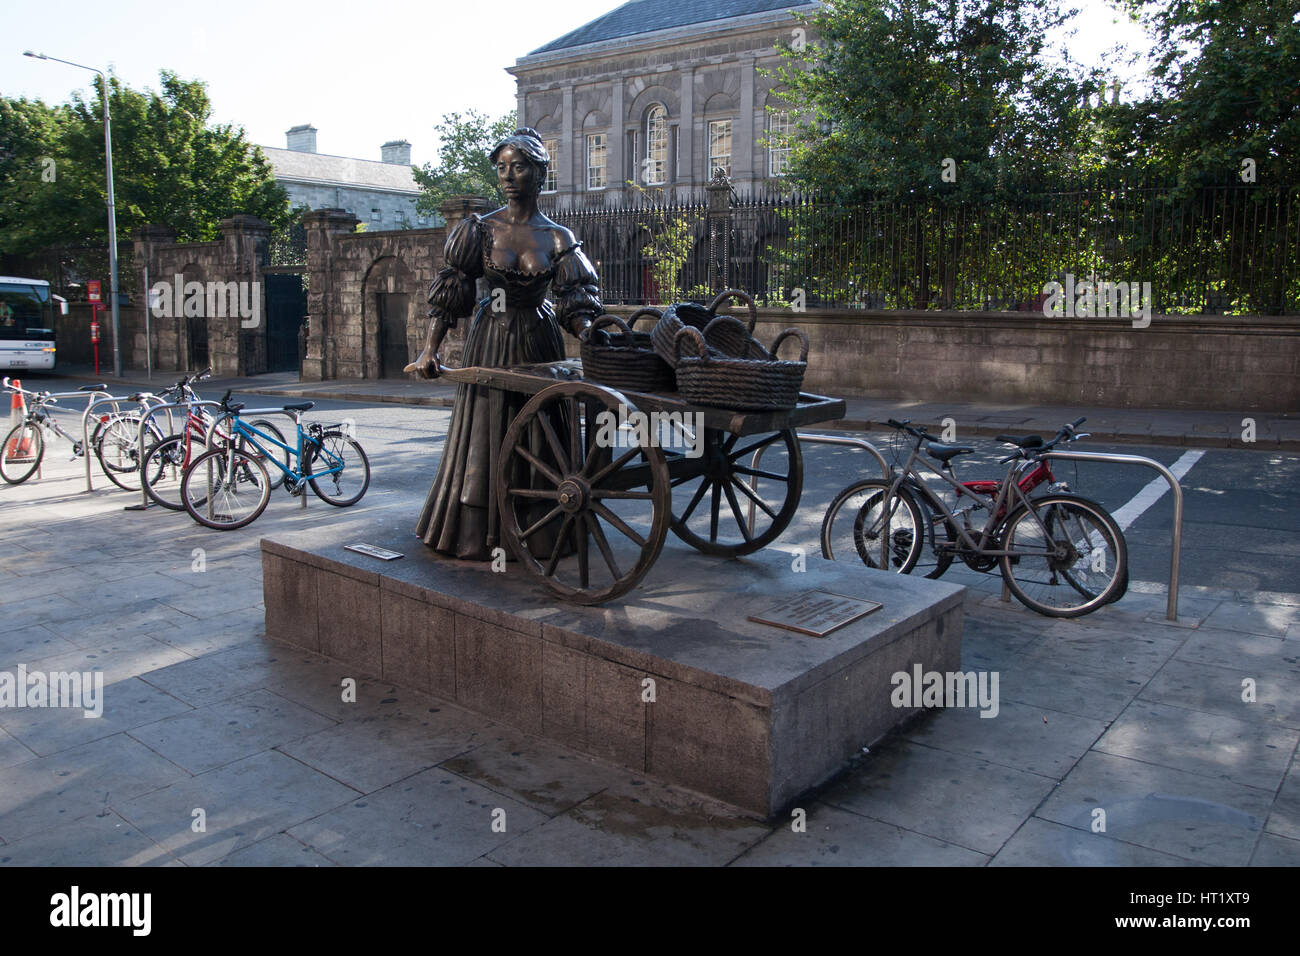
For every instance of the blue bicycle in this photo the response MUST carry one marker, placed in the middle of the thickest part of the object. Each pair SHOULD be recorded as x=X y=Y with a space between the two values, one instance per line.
x=228 y=487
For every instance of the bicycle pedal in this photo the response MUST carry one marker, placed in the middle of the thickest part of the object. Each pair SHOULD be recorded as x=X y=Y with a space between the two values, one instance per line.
x=295 y=488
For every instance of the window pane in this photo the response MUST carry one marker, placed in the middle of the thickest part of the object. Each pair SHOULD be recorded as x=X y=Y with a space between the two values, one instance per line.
x=552 y=171
x=596 y=161
x=779 y=125
x=656 y=169
x=720 y=147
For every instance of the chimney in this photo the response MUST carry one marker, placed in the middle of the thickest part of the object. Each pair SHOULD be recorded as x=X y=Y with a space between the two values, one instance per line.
x=396 y=151
x=302 y=138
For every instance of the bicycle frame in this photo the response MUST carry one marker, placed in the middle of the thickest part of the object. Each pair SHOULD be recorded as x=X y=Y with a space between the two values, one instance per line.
x=241 y=429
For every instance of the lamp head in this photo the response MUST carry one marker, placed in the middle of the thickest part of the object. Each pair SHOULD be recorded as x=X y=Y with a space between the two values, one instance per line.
x=38 y=56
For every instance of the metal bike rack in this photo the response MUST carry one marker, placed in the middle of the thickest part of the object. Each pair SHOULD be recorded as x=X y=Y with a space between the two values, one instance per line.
x=84 y=415
x=817 y=440
x=85 y=426
x=1171 y=608
x=144 y=423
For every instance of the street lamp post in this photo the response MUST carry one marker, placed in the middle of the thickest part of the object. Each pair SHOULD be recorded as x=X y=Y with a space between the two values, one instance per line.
x=112 y=208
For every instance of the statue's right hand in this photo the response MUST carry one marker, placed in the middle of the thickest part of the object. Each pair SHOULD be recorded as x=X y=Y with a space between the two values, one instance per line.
x=426 y=366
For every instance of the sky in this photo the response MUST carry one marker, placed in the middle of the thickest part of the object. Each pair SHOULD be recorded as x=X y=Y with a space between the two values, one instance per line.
x=362 y=73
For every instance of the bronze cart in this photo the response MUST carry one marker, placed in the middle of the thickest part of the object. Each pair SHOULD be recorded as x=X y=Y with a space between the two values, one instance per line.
x=619 y=495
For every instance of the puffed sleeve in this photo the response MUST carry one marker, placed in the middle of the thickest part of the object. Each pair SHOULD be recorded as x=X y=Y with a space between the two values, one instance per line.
x=451 y=295
x=576 y=288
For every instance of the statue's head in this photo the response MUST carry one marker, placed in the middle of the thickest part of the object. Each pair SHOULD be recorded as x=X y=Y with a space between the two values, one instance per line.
x=529 y=146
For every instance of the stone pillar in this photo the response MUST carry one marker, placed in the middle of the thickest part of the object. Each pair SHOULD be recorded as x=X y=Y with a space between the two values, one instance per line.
x=719 y=219
x=235 y=345
x=457 y=208
x=567 y=183
x=323 y=227
x=742 y=140
x=615 y=162
x=686 y=132
x=168 y=353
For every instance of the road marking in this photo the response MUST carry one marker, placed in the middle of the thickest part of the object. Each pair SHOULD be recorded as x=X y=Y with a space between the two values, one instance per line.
x=1153 y=492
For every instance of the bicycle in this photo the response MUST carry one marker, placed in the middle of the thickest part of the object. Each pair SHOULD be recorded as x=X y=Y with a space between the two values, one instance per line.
x=1060 y=554
x=169 y=457
x=24 y=445
x=228 y=487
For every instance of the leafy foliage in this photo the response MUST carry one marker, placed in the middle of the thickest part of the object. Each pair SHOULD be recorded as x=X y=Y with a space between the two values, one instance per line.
x=462 y=168
x=170 y=167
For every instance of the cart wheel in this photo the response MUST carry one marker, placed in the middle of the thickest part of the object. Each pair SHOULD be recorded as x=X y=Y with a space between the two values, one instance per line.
x=715 y=497
x=567 y=476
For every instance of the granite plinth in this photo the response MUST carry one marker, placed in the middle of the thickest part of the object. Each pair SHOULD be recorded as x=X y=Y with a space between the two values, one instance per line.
x=670 y=680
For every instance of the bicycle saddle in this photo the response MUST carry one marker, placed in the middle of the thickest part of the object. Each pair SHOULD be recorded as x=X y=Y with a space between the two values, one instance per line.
x=235 y=407
x=945 y=453
x=92 y=388
x=299 y=407
x=1024 y=441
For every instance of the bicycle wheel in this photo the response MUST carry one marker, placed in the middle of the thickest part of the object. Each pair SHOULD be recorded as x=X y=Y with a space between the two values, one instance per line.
x=345 y=486
x=275 y=453
x=166 y=466
x=225 y=489
x=118 y=452
x=1068 y=556
x=884 y=530
x=22 y=452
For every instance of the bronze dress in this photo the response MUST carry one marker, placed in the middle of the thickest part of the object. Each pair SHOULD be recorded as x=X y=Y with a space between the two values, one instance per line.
x=460 y=515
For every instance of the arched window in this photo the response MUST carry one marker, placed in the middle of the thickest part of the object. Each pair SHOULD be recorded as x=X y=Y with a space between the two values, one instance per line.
x=656 y=142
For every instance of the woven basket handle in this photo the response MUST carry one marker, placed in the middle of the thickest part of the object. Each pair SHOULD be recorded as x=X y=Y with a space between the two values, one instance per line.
x=656 y=314
x=803 y=340
x=588 y=334
x=744 y=297
x=689 y=333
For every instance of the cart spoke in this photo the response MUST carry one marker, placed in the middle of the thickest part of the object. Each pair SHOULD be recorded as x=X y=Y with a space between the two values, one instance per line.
x=757 y=473
x=540 y=465
x=699 y=494
x=540 y=524
x=552 y=439
x=614 y=466
x=735 y=512
x=550 y=494
x=580 y=540
x=754 y=497
x=559 y=543
x=713 y=518
x=750 y=449
x=618 y=523
x=603 y=544
x=613 y=493
x=575 y=436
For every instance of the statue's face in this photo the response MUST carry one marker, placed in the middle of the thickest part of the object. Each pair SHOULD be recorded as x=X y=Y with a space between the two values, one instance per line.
x=516 y=173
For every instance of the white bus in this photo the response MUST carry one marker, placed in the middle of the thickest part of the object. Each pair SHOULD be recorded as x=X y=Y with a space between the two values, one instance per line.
x=27 y=324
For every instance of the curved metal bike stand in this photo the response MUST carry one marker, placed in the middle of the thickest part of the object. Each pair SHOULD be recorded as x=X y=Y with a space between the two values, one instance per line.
x=817 y=440
x=85 y=425
x=144 y=422
x=1171 y=609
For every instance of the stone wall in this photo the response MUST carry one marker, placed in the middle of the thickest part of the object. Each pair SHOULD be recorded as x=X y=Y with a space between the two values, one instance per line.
x=1229 y=363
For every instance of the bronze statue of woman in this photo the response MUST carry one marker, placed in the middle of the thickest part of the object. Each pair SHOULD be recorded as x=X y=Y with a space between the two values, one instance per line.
x=522 y=252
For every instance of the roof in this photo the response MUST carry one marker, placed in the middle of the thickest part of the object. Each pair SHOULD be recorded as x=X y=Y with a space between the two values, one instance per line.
x=651 y=16
x=297 y=166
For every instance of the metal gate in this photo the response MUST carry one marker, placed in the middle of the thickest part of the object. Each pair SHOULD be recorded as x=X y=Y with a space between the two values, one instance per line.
x=394 y=308
x=286 y=310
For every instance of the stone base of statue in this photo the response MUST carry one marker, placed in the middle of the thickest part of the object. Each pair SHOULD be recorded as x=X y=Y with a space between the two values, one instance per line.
x=672 y=680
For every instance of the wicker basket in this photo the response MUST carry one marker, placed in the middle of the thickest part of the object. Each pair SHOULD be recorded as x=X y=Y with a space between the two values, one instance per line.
x=705 y=378
x=733 y=338
x=624 y=359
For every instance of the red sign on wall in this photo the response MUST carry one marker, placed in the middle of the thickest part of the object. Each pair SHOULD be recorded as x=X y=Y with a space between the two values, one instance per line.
x=92 y=291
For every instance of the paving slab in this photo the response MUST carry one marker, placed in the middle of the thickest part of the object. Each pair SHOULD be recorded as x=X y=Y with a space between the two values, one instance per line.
x=99 y=839
x=1273 y=620
x=221 y=733
x=835 y=837
x=973 y=803
x=1251 y=753
x=1199 y=818
x=637 y=822
x=1044 y=843
x=1271 y=696
x=1284 y=819
x=1276 y=851
x=434 y=818
x=243 y=802
x=278 y=850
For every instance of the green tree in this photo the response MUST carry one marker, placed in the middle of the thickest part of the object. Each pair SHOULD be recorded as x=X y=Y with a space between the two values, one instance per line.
x=890 y=91
x=170 y=167
x=462 y=168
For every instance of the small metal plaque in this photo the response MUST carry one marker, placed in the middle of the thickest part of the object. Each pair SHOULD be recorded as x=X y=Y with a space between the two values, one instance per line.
x=816 y=613
x=383 y=554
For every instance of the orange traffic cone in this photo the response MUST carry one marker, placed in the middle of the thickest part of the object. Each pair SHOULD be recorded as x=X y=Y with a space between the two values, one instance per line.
x=21 y=447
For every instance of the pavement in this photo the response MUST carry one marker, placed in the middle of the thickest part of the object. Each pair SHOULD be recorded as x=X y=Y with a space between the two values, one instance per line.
x=1187 y=427
x=1122 y=738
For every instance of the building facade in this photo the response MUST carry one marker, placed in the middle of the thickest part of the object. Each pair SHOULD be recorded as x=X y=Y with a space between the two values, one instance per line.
x=380 y=194
x=661 y=93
